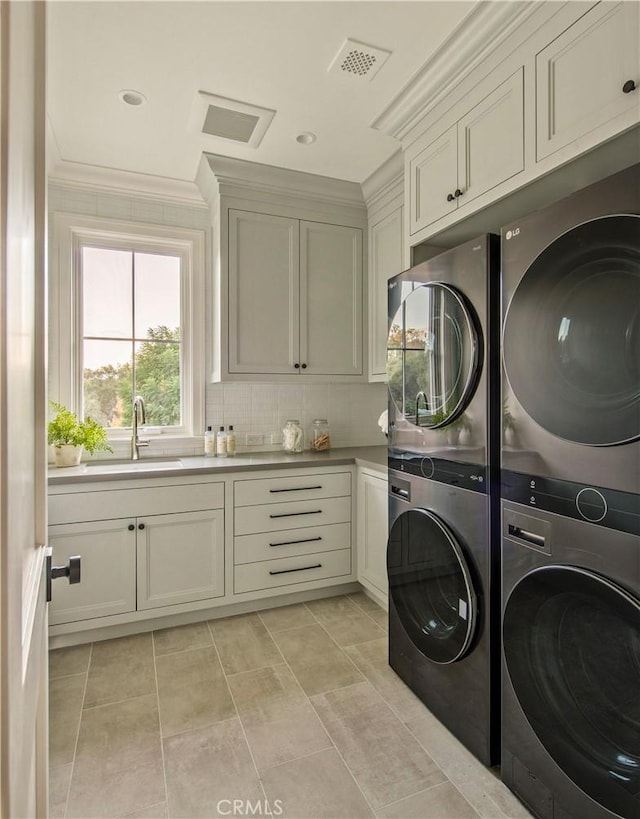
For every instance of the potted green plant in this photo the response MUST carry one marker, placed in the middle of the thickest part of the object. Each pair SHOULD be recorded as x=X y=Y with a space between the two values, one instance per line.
x=69 y=436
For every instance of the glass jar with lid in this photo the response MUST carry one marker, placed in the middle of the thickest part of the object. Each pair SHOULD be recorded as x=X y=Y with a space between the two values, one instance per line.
x=320 y=435
x=292 y=437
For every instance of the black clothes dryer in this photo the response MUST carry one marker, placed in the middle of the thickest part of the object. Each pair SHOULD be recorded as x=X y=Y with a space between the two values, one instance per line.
x=442 y=555
x=443 y=356
x=441 y=579
x=571 y=678
x=571 y=340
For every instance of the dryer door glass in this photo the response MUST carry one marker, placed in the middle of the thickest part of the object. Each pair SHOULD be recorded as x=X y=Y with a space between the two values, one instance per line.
x=572 y=334
x=572 y=650
x=433 y=355
x=430 y=585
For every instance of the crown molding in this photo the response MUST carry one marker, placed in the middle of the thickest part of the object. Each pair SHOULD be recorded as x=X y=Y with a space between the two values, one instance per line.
x=381 y=183
x=125 y=183
x=254 y=176
x=486 y=26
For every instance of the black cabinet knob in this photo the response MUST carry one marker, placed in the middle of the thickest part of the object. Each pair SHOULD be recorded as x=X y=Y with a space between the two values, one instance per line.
x=628 y=87
x=458 y=193
x=304 y=366
x=141 y=526
x=297 y=366
x=131 y=527
x=450 y=197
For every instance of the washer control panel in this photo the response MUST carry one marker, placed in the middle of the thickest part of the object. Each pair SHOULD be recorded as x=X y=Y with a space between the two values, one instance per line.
x=606 y=507
x=454 y=473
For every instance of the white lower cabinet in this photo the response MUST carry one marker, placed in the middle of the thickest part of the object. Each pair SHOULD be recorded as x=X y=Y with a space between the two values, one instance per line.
x=180 y=558
x=108 y=584
x=373 y=517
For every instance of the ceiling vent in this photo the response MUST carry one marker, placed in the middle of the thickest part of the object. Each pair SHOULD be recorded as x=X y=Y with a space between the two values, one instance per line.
x=359 y=60
x=230 y=120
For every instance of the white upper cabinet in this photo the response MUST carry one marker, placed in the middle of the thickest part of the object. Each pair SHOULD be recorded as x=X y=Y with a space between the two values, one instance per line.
x=295 y=296
x=289 y=252
x=330 y=299
x=484 y=148
x=385 y=261
x=588 y=76
x=264 y=293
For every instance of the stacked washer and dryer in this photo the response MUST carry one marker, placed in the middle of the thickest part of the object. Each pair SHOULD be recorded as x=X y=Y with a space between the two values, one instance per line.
x=443 y=569
x=519 y=509
x=571 y=504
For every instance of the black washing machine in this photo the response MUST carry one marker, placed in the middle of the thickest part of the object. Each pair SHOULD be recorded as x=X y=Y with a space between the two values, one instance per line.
x=571 y=503
x=442 y=555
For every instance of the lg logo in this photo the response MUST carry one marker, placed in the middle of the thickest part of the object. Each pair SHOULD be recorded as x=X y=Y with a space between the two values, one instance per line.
x=511 y=234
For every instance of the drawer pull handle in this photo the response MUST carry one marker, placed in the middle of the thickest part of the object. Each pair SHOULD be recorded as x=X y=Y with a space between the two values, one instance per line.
x=291 y=542
x=294 y=489
x=530 y=537
x=303 y=569
x=296 y=514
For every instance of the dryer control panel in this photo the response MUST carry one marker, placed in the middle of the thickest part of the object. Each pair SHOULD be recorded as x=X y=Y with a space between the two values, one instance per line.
x=454 y=473
x=604 y=507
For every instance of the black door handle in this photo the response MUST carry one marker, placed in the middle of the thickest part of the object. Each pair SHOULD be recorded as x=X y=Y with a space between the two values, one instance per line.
x=72 y=570
x=458 y=193
x=296 y=514
x=303 y=569
x=450 y=197
x=131 y=527
x=141 y=526
x=628 y=87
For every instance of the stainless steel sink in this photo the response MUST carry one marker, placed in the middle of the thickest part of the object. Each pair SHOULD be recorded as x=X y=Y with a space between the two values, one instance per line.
x=135 y=466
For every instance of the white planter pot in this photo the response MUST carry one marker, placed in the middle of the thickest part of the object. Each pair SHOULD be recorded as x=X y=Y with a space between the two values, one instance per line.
x=67 y=454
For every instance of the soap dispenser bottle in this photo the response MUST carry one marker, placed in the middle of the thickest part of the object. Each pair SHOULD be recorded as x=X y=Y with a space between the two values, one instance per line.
x=231 y=442
x=221 y=443
x=209 y=443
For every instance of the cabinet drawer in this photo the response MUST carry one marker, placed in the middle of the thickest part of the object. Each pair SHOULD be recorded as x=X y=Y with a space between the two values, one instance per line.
x=274 y=517
x=119 y=503
x=297 y=487
x=276 y=545
x=287 y=571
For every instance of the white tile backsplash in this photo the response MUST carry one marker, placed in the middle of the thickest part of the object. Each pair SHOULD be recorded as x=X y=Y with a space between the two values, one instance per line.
x=352 y=410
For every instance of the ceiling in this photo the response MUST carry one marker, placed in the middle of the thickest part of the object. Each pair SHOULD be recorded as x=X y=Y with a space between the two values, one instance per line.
x=270 y=54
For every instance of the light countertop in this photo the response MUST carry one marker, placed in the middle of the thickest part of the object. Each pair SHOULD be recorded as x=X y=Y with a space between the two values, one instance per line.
x=372 y=457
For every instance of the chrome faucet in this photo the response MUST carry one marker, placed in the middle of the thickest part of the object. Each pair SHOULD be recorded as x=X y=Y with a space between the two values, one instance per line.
x=139 y=417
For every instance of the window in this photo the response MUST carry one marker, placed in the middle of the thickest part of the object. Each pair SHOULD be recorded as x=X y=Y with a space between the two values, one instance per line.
x=129 y=321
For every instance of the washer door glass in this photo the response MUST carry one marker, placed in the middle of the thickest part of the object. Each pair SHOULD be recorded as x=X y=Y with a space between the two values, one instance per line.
x=433 y=355
x=572 y=651
x=572 y=334
x=430 y=585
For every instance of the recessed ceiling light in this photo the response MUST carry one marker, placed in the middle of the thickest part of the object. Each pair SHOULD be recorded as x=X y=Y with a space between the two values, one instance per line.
x=131 y=97
x=306 y=138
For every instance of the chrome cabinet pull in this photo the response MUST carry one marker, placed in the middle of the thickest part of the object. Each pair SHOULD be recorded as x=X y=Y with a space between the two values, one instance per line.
x=291 y=542
x=296 y=514
x=294 y=489
x=303 y=569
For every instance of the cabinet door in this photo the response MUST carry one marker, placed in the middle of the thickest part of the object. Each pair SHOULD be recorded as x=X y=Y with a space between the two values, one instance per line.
x=263 y=293
x=385 y=260
x=330 y=299
x=108 y=582
x=433 y=176
x=491 y=140
x=180 y=558
x=373 y=527
x=580 y=76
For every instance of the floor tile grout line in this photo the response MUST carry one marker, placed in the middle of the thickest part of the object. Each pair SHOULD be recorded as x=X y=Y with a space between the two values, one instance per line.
x=269 y=635
x=447 y=781
x=117 y=702
x=164 y=767
x=238 y=717
x=329 y=737
x=364 y=611
x=75 y=747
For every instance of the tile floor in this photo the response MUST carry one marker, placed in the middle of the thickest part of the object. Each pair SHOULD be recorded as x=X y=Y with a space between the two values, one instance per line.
x=294 y=708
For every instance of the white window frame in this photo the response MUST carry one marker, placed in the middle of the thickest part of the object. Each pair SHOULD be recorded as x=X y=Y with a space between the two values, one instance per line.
x=70 y=233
